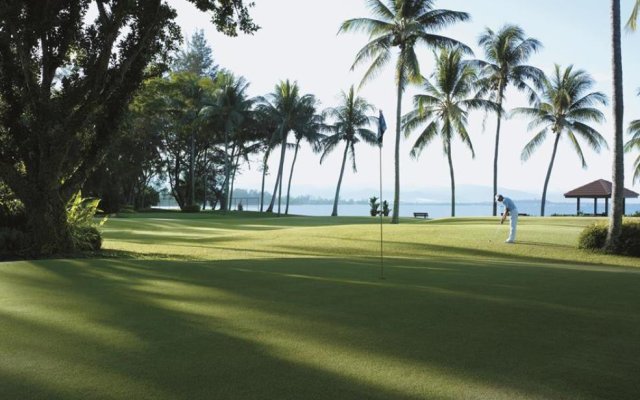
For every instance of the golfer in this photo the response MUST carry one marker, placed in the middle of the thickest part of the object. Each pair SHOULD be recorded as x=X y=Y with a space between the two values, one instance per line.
x=511 y=209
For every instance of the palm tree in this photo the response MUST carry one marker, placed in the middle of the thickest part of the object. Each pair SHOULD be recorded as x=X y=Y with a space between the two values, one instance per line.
x=402 y=24
x=229 y=112
x=634 y=143
x=566 y=108
x=308 y=126
x=351 y=120
x=617 y=174
x=506 y=52
x=444 y=107
x=286 y=108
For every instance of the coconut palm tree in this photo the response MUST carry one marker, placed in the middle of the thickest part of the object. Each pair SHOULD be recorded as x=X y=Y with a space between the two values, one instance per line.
x=506 y=53
x=402 y=24
x=230 y=110
x=286 y=108
x=634 y=143
x=617 y=174
x=444 y=106
x=350 y=127
x=566 y=108
x=308 y=127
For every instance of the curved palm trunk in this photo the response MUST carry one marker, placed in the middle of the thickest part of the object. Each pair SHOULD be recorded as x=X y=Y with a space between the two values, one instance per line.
x=293 y=164
x=546 y=180
x=453 y=182
x=617 y=200
x=334 y=213
x=278 y=185
x=396 y=195
x=264 y=174
x=495 y=155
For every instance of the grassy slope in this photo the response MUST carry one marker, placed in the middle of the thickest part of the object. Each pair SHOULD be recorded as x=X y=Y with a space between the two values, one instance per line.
x=250 y=307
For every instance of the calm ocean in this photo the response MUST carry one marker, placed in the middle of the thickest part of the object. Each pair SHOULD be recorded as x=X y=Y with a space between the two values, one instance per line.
x=444 y=210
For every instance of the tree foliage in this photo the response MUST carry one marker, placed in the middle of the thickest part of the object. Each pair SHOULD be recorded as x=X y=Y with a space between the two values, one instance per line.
x=66 y=78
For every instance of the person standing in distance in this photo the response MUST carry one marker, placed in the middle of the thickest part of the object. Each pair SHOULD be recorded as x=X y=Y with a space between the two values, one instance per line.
x=511 y=209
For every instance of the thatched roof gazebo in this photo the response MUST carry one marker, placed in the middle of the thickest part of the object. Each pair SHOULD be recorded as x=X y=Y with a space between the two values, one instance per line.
x=600 y=189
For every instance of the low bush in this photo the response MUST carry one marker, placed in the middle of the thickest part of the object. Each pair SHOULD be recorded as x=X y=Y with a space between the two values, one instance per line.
x=593 y=237
x=81 y=219
x=193 y=208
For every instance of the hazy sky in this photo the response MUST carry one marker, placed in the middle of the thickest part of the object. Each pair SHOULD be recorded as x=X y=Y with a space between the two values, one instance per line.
x=298 y=41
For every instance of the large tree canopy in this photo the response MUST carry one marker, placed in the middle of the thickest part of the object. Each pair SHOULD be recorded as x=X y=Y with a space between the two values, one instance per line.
x=68 y=69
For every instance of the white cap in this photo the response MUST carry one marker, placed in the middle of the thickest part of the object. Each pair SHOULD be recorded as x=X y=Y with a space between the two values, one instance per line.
x=498 y=197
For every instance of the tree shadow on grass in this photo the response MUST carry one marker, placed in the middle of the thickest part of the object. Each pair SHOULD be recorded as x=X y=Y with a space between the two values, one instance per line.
x=319 y=328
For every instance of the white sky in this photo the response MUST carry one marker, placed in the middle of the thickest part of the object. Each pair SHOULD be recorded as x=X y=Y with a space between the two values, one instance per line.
x=298 y=41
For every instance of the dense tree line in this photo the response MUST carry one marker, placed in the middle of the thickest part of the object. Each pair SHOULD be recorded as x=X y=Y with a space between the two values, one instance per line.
x=114 y=106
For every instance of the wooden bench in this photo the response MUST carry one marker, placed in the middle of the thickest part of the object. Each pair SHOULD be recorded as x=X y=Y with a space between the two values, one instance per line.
x=420 y=214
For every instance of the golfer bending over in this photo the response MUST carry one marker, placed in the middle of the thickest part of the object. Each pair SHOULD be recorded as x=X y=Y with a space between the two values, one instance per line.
x=511 y=209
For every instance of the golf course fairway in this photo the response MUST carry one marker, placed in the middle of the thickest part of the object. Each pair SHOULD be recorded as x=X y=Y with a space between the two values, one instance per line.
x=252 y=306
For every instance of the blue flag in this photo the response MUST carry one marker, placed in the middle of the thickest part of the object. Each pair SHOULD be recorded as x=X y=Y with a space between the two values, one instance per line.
x=382 y=126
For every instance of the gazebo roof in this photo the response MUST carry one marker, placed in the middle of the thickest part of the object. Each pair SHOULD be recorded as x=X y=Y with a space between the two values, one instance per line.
x=598 y=189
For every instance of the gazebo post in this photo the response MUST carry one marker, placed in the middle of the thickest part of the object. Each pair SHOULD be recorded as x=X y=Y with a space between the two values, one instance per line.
x=595 y=206
x=606 y=206
x=624 y=206
x=578 y=207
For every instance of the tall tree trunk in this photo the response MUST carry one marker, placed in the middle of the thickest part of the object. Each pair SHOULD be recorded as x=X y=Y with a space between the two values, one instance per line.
x=395 y=218
x=227 y=171
x=617 y=200
x=546 y=180
x=279 y=175
x=47 y=223
x=192 y=186
x=334 y=213
x=233 y=177
x=204 y=182
x=453 y=182
x=497 y=147
x=264 y=174
x=293 y=164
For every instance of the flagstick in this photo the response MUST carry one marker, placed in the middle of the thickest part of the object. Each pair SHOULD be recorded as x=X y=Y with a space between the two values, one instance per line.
x=381 y=254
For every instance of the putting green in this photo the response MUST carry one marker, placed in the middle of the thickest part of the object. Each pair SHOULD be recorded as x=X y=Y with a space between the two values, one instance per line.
x=252 y=307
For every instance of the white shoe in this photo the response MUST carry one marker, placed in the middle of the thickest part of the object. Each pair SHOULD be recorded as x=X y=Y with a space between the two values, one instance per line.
x=509 y=241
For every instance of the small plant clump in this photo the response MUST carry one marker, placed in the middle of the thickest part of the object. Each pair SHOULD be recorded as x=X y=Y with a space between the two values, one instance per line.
x=375 y=206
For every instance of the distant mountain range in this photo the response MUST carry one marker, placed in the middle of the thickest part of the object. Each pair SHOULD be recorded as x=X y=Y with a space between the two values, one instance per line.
x=464 y=194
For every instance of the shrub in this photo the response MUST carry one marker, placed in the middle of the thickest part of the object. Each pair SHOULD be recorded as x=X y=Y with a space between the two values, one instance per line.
x=373 y=203
x=83 y=228
x=594 y=236
x=385 y=208
x=193 y=208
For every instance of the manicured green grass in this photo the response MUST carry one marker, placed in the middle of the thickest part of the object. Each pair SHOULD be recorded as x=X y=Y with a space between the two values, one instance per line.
x=245 y=306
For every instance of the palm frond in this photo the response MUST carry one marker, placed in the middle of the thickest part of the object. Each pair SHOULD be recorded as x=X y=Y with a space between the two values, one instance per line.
x=376 y=66
x=370 y=26
x=533 y=144
x=632 y=23
x=442 y=42
x=594 y=138
x=577 y=148
x=426 y=136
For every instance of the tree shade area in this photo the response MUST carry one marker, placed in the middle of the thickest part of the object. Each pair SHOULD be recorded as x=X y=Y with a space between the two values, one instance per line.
x=200 y=306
